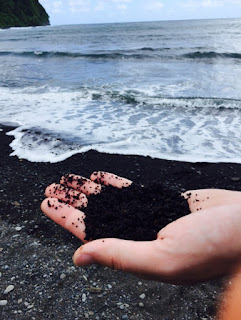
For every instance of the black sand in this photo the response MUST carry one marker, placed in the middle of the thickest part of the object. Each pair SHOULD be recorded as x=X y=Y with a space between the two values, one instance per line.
x=36 y=254
x=134 y=213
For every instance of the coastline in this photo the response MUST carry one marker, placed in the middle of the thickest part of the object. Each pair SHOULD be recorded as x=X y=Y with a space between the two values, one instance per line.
x=36 y=254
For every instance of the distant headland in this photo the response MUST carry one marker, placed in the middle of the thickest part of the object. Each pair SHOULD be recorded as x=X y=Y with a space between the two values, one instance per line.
x=22 y=13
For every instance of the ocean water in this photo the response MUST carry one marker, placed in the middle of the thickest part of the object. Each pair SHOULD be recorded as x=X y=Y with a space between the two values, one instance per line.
x=170 y=90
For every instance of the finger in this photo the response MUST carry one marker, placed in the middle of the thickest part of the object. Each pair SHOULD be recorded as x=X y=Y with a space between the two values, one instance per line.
x=208 y=198
x=68 y=195
x=81 y=184
x=65 y=215
x=107 y=178
x=142 y=258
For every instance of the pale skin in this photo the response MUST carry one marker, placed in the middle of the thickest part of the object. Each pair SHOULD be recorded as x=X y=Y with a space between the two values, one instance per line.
x=197 y=247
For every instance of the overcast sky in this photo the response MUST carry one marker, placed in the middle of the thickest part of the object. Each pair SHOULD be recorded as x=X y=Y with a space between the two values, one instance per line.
x=99 y=11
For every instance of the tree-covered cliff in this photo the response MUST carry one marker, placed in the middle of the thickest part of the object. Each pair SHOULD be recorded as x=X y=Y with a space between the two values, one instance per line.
x=22 y=13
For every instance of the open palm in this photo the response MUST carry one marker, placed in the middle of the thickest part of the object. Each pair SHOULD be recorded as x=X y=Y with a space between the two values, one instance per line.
x=194 y=248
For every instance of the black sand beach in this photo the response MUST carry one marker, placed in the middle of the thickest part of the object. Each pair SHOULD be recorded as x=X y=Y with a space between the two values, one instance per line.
x=36 y=254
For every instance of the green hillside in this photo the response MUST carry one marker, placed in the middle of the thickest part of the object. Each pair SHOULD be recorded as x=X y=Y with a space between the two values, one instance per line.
x=22 y=13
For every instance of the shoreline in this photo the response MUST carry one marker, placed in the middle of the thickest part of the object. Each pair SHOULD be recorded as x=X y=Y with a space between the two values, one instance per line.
x=140 y=168
x=36 y=254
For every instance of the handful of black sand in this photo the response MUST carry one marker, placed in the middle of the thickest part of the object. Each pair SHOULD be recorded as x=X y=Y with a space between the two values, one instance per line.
x=133 y=213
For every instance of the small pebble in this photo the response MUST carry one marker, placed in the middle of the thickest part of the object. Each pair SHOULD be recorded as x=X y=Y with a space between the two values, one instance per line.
x=3 y=302
x=18 y=228
x=94 y=289
x=235 y=179
x=8 y=289
x=62 y=276
x=16 y=203
x=84 y=297
x=142 y=296
x=141 y=304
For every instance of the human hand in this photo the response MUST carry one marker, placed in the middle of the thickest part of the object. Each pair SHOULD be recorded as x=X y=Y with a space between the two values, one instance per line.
x=191 y=249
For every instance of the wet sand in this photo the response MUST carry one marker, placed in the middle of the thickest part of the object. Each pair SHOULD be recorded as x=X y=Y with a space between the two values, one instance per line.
x=36 y=254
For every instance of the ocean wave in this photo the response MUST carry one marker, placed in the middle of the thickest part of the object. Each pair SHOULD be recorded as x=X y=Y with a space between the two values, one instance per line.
x=63 y=54
x=149 y=96
x=140 y=53
x=212 y=55
x=21 y=28
x=138 y=98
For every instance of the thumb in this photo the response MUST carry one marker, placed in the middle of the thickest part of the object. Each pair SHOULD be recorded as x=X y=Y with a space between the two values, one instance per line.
x=143 y=257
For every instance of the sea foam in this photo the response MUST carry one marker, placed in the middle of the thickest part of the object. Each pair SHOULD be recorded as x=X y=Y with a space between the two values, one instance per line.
x=55 y=124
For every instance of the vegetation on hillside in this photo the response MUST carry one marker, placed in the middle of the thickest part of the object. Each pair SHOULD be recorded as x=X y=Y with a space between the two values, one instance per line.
x=22 y=13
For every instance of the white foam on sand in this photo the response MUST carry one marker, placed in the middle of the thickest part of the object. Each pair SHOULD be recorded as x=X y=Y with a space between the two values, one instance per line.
x=54 y=124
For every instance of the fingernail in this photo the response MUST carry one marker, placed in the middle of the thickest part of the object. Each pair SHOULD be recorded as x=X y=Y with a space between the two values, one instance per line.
x=82 y=259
